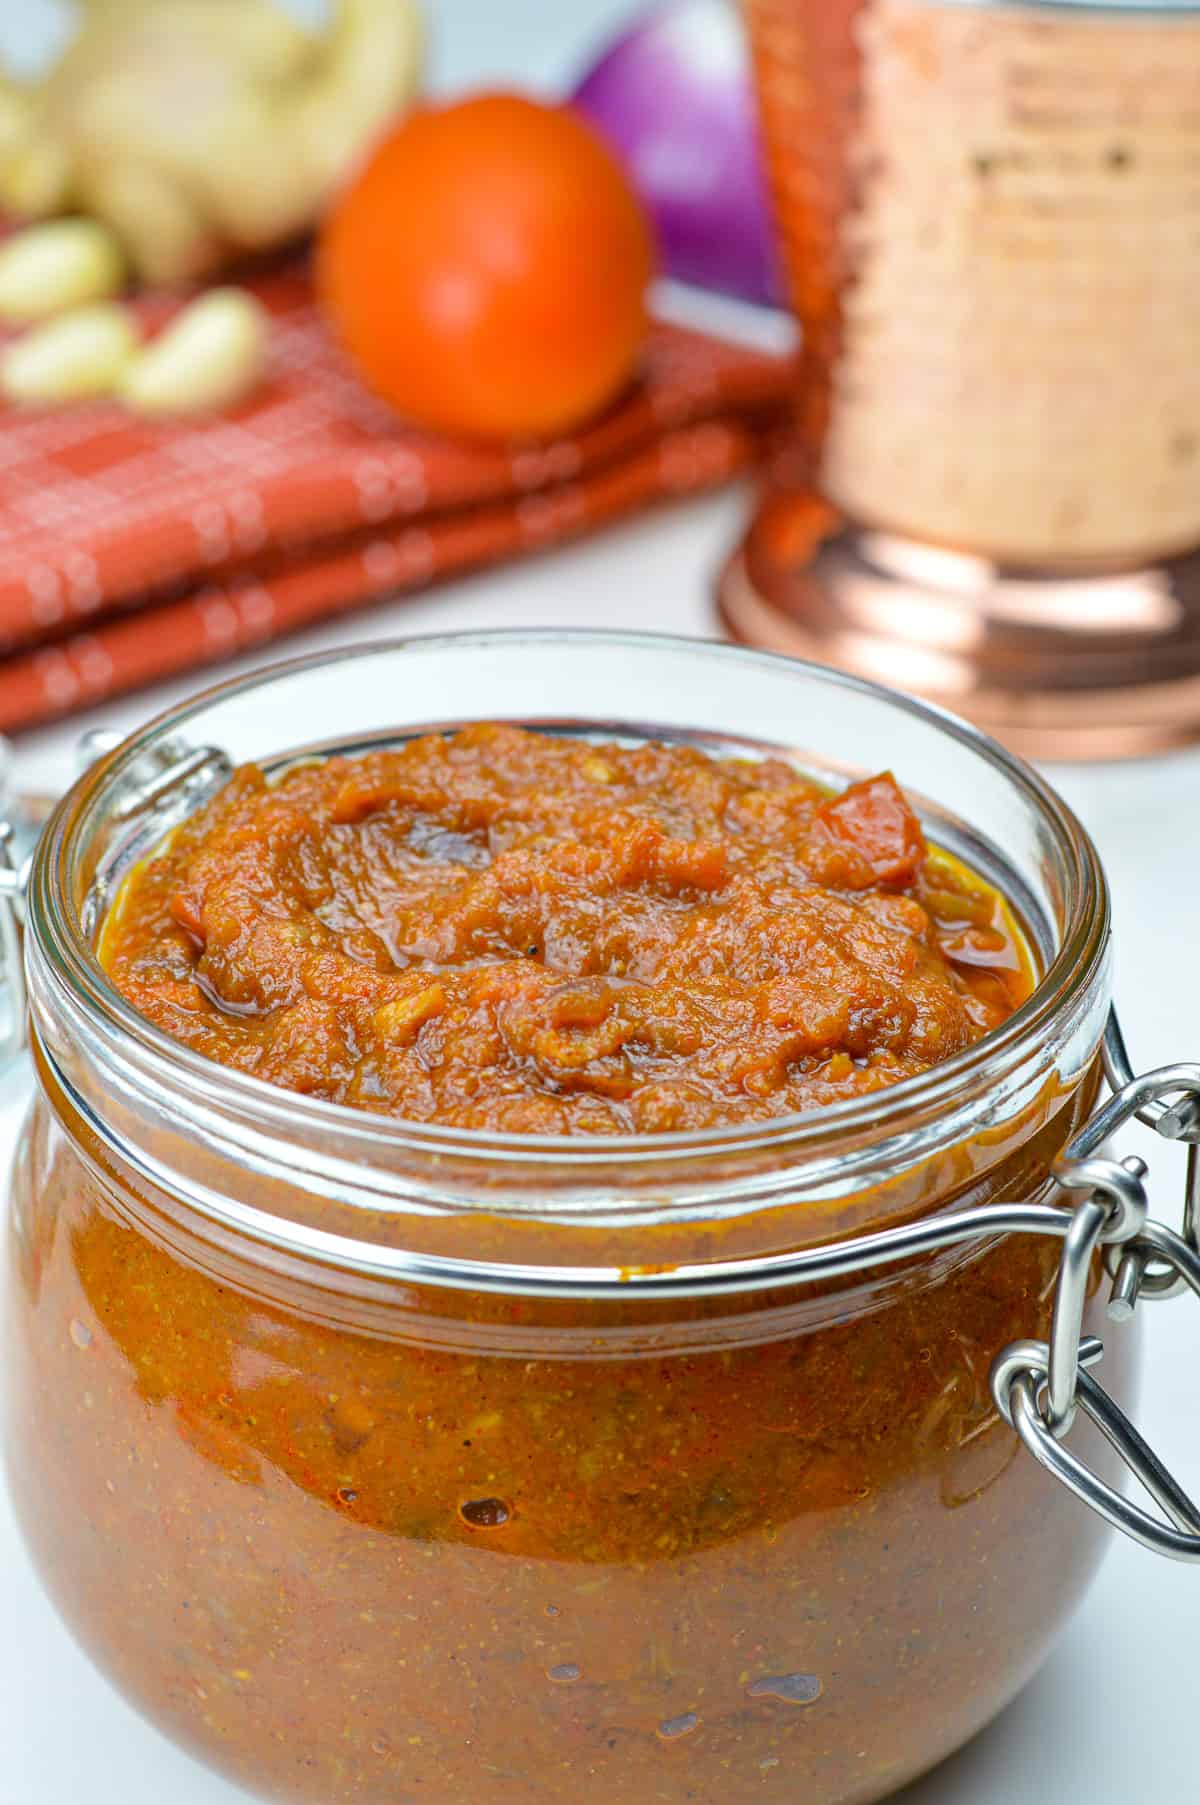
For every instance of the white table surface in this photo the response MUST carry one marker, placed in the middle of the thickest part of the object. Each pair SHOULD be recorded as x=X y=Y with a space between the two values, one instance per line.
x=1109 y=1720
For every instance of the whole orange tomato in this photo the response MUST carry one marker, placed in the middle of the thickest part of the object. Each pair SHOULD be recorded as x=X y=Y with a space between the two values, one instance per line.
x=487 y=269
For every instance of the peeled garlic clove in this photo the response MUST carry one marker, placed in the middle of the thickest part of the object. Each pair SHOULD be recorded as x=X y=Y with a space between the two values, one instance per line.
x=66 y=263
x=211 y=355
x=76 y=356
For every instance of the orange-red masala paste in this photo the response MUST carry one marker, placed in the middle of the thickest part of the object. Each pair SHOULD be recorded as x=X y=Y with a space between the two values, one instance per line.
x=507 y=930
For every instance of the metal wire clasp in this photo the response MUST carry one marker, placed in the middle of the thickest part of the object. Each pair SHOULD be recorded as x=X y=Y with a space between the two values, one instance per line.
x=1040 y=1387
x=12 y=969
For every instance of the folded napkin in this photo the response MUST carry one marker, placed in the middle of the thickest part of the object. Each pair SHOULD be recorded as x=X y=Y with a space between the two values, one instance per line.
x=133 y=551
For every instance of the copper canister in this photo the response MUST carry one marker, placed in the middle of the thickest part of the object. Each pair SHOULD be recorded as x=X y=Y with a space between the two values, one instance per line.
x=990 y=216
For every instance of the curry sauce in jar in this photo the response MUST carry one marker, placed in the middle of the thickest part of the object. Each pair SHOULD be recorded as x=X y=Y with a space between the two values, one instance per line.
x=407 y=1396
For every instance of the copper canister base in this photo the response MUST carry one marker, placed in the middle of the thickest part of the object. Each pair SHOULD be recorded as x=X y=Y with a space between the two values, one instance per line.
x=1095 y=664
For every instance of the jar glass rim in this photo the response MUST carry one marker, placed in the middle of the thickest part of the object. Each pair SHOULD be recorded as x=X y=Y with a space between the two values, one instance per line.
x=55 y=924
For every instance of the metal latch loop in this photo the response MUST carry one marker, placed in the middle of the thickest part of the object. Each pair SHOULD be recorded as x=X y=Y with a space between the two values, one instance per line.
x=1040 y=1387
x=1178 y=1537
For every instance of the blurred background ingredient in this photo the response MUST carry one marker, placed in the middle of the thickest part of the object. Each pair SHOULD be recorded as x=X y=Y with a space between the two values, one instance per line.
x=81 y=345
x=674 y=97
x=487 y=269
x=204 y=130
x=208 y=358
x=62 y=264
x=73 y=357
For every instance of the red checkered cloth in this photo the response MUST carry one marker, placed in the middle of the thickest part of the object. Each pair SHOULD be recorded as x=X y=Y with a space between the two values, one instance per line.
x=131 y=551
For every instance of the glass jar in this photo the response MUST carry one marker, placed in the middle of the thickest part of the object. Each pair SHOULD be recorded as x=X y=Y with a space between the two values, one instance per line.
x=991 y=230
x=379 y=1461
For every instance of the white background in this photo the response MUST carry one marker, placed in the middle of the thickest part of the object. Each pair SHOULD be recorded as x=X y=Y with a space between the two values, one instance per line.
x=1111 y=1718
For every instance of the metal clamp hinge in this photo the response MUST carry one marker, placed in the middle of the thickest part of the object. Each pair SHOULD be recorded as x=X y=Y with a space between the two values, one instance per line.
x=1040 y=1387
